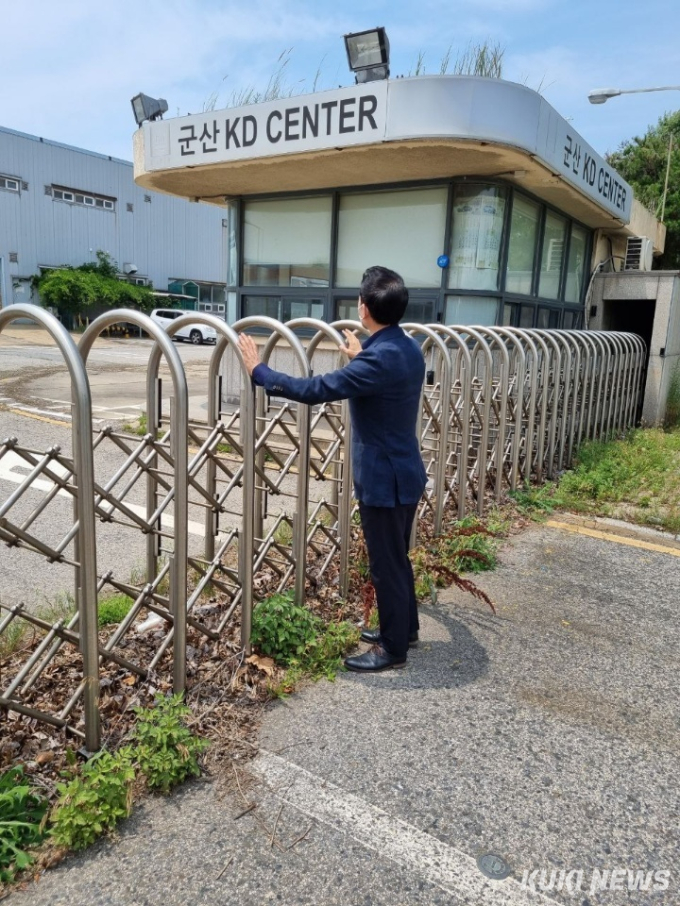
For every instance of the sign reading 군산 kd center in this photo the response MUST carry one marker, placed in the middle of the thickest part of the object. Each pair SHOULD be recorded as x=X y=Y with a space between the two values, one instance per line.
x=305 y=123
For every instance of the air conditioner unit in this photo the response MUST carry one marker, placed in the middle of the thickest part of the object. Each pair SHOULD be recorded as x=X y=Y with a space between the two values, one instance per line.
x=639 y=252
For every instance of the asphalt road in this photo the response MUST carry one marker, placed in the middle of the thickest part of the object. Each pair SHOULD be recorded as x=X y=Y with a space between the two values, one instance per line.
x=547 y=735
x=33 y=377
x=35 y=408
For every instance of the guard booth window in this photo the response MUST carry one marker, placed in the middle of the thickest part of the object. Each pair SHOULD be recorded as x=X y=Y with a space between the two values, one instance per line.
x=287 y=242
x=403 y=230
x=283 y=308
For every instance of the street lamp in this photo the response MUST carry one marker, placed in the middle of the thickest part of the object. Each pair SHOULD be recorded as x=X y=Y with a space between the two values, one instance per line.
x=602 y=95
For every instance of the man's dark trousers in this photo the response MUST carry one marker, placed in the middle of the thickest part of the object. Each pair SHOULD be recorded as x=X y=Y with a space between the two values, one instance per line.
x=387 y=531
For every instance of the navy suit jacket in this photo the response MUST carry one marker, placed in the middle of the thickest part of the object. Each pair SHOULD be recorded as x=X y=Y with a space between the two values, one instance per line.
x=383 y=384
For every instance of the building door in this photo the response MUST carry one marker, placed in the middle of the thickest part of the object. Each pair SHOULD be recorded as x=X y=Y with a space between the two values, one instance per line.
x=632 y=316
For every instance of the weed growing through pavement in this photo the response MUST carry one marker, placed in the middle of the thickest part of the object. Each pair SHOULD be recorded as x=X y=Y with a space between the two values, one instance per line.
x=22 y=810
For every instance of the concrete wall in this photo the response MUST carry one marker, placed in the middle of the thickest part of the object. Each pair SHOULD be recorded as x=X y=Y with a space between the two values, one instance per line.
x=661 y=288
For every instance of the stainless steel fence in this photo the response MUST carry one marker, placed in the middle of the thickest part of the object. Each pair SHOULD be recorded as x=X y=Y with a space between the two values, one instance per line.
x=270 y=481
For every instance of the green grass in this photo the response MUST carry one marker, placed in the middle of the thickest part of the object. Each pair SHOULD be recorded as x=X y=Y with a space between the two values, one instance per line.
x=140 y=427
x=636 y=479
x=114 y=609
x=60 y=608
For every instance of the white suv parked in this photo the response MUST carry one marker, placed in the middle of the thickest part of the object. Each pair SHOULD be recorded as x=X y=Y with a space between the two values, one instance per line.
x=195 y=333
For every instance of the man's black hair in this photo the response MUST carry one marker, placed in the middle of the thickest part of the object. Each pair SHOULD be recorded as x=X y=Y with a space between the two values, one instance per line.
x=384 y=295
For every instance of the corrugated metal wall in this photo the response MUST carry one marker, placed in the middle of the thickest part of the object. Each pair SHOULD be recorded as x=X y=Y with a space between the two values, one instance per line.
x=165 y=238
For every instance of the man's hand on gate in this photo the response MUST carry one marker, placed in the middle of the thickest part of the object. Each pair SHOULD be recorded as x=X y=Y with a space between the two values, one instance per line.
x=249 y=351
x=353 y=346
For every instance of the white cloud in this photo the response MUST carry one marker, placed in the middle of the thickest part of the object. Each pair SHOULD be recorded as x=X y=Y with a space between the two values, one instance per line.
x=85 y=64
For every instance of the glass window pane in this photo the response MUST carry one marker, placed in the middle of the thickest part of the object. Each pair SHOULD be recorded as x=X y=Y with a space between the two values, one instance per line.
x=232 y=308
x=261 y=305
x=205 y=292
x=522 y=246
x=419 y=311
x=231 y=221
x=526 y=316
x=301 y=308
x=551 y=260
x=571 y=319
x=507 y=314
x=547 y=318
x=346 y=310
x=576 y=267
x=402 y=230
x=287 y=240
x=471 y=310
x=476 y=237
x=283 y=308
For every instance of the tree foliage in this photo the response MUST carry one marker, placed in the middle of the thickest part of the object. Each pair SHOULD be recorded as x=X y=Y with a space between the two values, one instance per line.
x=73 y=290
x=642 y=162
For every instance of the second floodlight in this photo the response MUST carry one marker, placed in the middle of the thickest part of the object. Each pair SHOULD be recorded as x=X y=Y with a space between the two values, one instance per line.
x=147 y=108
x=368 y=54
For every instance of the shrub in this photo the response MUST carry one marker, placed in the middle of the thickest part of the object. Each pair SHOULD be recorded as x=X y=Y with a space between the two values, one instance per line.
x=167 y=751
x=95 y=800
x=282 y=629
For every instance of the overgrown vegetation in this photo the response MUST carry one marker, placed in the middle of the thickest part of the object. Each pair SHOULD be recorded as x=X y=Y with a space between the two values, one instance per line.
x=93 y=800
x=97 y=796
x=644 y=162
x=467 y=545
x=483 y=58
x=636 y=478
x=299 y=640
x=22 y=810
x=75 y=290
x=167 y=752
x=672 y=414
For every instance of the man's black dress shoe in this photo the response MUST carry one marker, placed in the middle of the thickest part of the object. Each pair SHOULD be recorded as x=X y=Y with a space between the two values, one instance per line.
x=373 y=636
x=373 y=660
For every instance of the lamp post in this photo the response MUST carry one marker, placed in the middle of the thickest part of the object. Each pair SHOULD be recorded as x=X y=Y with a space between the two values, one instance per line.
x=602 y=95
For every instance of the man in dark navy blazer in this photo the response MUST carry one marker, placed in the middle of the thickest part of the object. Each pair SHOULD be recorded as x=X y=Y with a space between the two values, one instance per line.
x=383 y=382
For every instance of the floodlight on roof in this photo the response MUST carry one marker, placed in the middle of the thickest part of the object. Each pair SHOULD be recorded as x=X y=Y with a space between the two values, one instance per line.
x=147 y=108
x=368 y=54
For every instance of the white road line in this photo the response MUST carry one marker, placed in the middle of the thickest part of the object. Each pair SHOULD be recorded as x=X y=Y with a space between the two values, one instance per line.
x=49 y=412
x=167 y=522
x=405 y=845
x=14 y=468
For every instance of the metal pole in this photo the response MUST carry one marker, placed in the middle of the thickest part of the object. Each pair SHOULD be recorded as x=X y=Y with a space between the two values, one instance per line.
x=83 y=469
x=179 y=436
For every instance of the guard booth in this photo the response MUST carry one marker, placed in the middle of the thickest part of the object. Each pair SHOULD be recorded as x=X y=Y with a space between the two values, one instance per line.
x=487 y=201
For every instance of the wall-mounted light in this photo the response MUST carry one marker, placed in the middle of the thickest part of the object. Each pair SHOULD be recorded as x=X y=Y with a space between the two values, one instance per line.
x=147 y=108
x=368 y=54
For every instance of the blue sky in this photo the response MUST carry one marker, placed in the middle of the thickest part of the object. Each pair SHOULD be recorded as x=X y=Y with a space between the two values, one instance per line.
x=68 y=69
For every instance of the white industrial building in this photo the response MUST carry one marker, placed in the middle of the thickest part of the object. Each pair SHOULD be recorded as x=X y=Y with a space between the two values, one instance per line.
x=59 y=205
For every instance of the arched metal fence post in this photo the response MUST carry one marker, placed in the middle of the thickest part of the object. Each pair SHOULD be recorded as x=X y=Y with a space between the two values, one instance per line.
x=83 y=465
x=178 y=440
x=434 y=340
x=279 y=330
